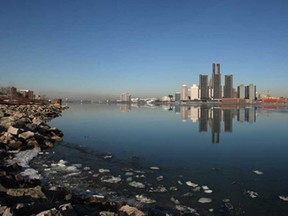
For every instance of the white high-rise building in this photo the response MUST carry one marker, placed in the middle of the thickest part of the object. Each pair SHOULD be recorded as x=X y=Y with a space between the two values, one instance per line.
x=184 y=92
x=125 y=97
x=194 y=92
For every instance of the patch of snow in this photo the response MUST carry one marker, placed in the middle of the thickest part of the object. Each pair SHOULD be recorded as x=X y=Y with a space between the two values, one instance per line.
x=136 y=184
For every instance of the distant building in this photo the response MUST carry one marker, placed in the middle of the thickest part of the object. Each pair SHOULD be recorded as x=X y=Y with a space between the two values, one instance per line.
x=165 y=99
x=194 y=92
x=216 y=82
x=57 y=101
x=241 y=91
x=184 y=93
x=26 y=94
x=203 y=86
x=228 y=87
x=177 y=96
x=250 y=92
x=125 y=98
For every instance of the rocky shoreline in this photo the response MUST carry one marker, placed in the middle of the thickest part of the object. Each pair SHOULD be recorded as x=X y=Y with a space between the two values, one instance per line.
x=25 y=133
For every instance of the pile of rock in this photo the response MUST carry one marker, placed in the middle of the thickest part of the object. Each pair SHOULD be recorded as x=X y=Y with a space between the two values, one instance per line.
x=25 y=126
x=24 y=132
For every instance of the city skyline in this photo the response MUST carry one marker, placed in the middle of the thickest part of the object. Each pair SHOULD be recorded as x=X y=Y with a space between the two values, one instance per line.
x=99 y=49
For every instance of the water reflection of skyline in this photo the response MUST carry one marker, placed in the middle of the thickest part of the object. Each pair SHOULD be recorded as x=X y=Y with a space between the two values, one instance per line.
x=211 y=118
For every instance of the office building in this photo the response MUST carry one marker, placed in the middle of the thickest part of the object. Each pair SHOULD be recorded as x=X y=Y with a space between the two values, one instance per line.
x=194 y=92
x=203 y=86
x=216 y=82
x=250 y=92
x=125 y=98
x=241 y=91
x=184 y=93
x=177 y=96
x=228 y=87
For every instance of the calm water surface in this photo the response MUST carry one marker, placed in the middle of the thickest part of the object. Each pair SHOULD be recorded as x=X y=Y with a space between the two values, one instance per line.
x=217 y=147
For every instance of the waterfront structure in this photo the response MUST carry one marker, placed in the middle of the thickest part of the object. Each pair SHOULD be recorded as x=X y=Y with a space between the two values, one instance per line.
x=228 y=87
x=26 y=93
x=241 y=91
x=250 y=92
x=203 y=86
x=177 y=96
x=194 y=92
x=125 y=98
x=216 y=82
x=184 y=93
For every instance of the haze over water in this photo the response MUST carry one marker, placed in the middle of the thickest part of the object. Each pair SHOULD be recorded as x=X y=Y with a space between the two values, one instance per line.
x=223 y=148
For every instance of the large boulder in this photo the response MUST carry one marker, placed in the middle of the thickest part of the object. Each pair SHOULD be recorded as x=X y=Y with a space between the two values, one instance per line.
x=26 y=135
x=32 y=192
x=130 y=211
x=14 y=131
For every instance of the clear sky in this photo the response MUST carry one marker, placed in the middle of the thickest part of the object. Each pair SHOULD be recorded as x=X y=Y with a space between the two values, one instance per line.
x=96 y=48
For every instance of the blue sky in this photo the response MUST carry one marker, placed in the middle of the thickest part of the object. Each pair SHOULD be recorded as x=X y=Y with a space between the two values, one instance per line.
x=97 y=48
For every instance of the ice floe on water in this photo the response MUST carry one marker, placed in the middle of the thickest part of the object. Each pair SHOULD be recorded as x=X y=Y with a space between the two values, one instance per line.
x=24 y=157
x=206 y=189
x=252 y=194
x=159 y=178
x=104 y=170
x=284 y=198
x=185 y=209
x=159 y=189
x=191 y=184
x=111 y=179
x=258 y=172
x=175 y=201
x=136 y=184
x=144 y=199
x=205 y=200
x=31 y=174
x=154 y=168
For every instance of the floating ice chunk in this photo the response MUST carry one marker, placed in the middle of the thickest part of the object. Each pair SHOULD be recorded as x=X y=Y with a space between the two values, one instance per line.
x=45 y=165
x=191 y=184
x=211 y=210
x=159 y=189
x=144 y=199
x=87 y=168
x=31 y=174
x=71 y=168
x=129 y=173
x=77 y=165
x=258 y=172
x=62 y=161
x=175 y=201
x=196 y=189
x=104 y=170
x=208 y=191
x=46 y=153
x=61 y=165
x=129 y=179
x=53 y=165
x=205 y=200
x=154 y=168
x=139 y=171
x=24 y=157
x=179 y=182
x=95 y=175
x=136 y=184
x=159 y=178
x=107 y=157
x=47 y=169
x=189 y=194
x=140 y=176
x=252 y=194
x=111 y=179
x=226 y=200
x=41 y=153
x=173 y=188
x=283 y=198
x=185 y=209
x=98 y=196
x=73 y=174
x=204 y=187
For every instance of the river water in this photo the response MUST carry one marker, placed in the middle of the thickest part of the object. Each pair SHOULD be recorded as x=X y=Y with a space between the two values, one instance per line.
x=170 y=153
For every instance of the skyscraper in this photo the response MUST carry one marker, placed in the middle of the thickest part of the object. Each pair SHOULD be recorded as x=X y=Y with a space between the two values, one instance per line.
x=184 y=92
x=203 y=84
x=250 y=92
x=194 y=92
x=216 y=81
x=228 y=87
x=241 y=91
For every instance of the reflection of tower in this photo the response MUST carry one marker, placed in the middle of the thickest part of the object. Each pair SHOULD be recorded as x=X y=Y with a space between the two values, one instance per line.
x=177 y=109
x=241 y=115
x=250 y=115
x=203 y=119
x=227 y=120
x=184 y=113
x=216 y=125
x=194 y=113
x=125 y=107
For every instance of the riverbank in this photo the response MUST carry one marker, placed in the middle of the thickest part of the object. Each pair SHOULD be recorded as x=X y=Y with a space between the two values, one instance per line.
x=25 y=133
